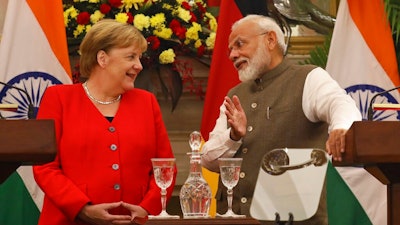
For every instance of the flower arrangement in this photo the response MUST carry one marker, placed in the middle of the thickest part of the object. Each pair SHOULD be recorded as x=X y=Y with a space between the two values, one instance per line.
x=171 y=27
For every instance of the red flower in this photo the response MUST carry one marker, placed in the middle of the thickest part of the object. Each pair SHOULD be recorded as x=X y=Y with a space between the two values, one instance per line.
x=130 y=18
x=115 y=3
x=201 y=7
x=174 y=24
x=83 y=18
x=105 y=8
x=154 y=42
x=193 y=18
x=178 y=30
x=186 y=5
x=200 y=51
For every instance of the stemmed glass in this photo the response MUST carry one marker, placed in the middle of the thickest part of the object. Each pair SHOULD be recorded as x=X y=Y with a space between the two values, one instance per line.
x=163 y=169
x=229 y=172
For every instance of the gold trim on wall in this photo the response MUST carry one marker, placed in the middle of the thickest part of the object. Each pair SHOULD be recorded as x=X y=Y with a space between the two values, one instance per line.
x=302 y=45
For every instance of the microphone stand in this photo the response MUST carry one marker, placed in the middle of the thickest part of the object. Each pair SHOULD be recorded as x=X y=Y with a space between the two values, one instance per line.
x=370 y=108
x=31 y=112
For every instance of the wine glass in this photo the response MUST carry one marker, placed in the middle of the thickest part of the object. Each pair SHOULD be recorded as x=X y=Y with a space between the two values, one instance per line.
x=163 y=169
x=229 y=172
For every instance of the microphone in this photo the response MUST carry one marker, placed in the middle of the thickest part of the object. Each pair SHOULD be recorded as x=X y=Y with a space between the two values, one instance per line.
x=370 y=108
x=31 y=111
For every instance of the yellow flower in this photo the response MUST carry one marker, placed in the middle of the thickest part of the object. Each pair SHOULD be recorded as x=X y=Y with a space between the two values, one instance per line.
x=164 y=33
x=212 y=21
x=66 y=20
x=157 y=21
x=141 y=21
x=193 y=32
x=167 y=6
x=87 y=28
x=211 y=40
x=127 y=4
x=71 y=12
x=79 y=29
x=167 y=56
x=96 y=16
x=197 y=44
x=121 y=17
x=186 y=42
x=183 y=14
x=94 y=1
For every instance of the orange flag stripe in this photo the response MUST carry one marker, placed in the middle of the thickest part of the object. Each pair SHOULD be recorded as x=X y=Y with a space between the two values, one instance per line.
x=371 y=20
x=50 y=17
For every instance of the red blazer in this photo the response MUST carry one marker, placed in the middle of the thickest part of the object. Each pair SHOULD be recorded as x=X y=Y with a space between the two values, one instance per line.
x=100 y=161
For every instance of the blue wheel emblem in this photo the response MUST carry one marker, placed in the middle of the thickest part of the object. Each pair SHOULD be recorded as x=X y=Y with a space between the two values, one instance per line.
x=34 y=83
x=362 y=95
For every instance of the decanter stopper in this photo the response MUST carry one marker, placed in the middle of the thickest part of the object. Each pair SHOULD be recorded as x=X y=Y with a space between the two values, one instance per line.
x=195 y=141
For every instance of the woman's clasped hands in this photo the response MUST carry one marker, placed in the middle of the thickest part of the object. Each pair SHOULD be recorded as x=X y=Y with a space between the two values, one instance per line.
x=99 y=214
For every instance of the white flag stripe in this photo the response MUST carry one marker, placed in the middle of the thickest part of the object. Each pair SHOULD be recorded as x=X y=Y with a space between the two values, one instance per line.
x=26 y=174
x=369 y=191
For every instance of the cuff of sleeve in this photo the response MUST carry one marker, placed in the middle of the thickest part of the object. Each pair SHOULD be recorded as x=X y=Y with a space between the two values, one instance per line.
x=232 y=144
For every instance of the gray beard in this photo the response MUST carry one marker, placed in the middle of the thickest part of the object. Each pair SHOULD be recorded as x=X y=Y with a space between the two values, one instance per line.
x=255 y=66
x=249 y=73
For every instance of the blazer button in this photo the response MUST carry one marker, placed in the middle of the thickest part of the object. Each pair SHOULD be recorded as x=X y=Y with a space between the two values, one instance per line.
x=115 y=166
x=111 y=129
x=117 y=187
x=113 y=147
x=243 y=200
x=244 y=150
x=242 y=174
x=253 y=105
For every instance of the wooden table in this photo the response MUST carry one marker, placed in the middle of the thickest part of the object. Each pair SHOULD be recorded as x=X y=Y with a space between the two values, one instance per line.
x=211 y=221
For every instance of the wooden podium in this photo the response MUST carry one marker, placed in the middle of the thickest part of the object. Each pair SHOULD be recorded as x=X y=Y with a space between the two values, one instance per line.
x=25 y=142
x=375 y=145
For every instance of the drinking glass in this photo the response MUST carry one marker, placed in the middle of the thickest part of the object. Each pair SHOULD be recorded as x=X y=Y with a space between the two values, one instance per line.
x=229 y=172
x=163 y=169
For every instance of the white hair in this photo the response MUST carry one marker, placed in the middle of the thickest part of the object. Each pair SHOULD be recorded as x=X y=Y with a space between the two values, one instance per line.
x=265 y=24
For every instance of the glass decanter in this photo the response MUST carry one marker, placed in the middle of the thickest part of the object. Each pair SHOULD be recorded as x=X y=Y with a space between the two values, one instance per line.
x=195 y=194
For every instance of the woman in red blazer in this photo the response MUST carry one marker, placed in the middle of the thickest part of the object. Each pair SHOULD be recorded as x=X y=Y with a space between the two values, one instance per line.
x=107 y=131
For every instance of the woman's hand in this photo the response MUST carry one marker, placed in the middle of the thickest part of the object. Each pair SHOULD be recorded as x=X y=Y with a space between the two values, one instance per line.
x=99 y=215
x=138 y=214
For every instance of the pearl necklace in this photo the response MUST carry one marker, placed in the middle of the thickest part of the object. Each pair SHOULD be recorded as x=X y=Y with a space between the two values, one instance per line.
x=98 y=101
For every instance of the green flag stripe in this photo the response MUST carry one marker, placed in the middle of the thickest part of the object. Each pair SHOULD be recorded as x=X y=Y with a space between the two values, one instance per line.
x=16 y=204
x=343 y=206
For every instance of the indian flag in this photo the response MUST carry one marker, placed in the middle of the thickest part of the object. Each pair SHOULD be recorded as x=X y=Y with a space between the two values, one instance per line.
x=362 y=59
x=33 y=56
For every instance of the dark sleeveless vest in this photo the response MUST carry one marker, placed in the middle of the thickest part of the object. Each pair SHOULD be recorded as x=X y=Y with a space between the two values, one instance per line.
x=275 y=119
